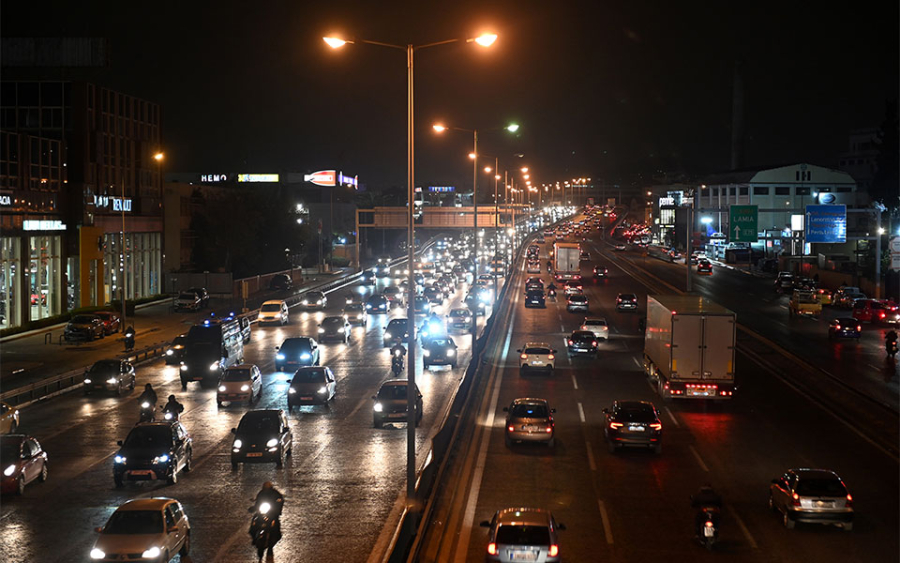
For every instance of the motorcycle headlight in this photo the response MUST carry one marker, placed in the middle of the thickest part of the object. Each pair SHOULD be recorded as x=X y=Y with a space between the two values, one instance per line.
x=214 y=366
x=9 y=470
x=279 y=356
x=169 y=416
x=145 y=405
x=322 y=390
x=264 y=508
x=98 y=554
x=87 y=381
x=378 y=407
x=170 y=352
x=112 y=380
x=221 y=388
x=161 y=459
x=183 y=367
x=151 y=553
x=245 y=387
x=304 y=356
x=120 y=459
x=236 y=445
x=272 y=443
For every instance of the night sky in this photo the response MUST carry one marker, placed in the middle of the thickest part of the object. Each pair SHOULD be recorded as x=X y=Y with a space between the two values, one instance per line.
x=601 y=89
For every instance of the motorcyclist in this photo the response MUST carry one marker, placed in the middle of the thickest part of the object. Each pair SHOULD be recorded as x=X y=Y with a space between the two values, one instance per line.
x=148 y=396
x=173 y=406
x=269 y=494
x=551 y=290
x=706 y=498
x=890 y=340
x=129 y=339
x=398 y=348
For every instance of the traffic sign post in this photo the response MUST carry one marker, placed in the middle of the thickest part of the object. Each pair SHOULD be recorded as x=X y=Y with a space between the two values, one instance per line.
x=742 y=223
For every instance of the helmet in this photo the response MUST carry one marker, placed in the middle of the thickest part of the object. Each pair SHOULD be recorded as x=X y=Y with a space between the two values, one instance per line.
x=172 y=397
x=268 y=485
x=148 y=386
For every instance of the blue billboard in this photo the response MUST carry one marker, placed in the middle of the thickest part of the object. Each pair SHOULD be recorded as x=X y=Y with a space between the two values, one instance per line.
x=826 y=223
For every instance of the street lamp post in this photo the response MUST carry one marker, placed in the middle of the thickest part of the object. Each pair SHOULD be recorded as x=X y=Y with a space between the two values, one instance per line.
x=485 y=40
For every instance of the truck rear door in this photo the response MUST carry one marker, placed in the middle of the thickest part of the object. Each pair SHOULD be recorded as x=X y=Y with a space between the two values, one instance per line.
x=687 y=351
x=718 y=361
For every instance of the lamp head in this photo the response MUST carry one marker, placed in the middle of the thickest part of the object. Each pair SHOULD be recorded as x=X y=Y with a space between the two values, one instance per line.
x=334 y=42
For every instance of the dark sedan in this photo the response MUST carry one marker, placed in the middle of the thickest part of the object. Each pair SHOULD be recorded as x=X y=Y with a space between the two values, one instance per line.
x=844 y=328
x=113 y=376
x=535 y=298
x=633 y=423
x=312 y=385
x=262 y=436
x=582 y=342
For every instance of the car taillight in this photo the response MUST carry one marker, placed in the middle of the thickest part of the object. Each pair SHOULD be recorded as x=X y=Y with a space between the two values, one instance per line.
x=594 y=343
x=656 y=425
x=550 y=357
x=492 y=548
x=795 y=500
x=511 y=428
x=615 y=425
x=570 y=342
x=548 y=430
x=525 y=356
x=849 y=503
x=881 y=314
x=709 y=524
x=554 y=550
x=858 y=327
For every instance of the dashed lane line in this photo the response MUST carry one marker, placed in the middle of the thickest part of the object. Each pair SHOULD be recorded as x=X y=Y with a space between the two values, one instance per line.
x=743 y=527
x=607 y=530
x=672 y=416
x=581 y=413
x=574 y=382
x=699 y=459
x=590 y=454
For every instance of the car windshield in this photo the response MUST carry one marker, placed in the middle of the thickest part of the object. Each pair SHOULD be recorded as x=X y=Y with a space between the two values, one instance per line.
x=270 y=307
x=315 y=295
x=82 y=319
x=823 y=487
x=440 y=343
x=594 y=322
x=459 y=313
x=242 y=374
x=526 y=410
x=578 y=298
x=132 y=522
x=333 y=322
x=523 y=535
x=392 y=392
x=635 y=415
x=582 y=335
x=353 y=308
x=188 y=296
x=295 y=345
x=156 y=436
x=259 y=423
x=314 y=375
x=537 y=350
x=105 y=366
x=179 y=341
x=397 y=324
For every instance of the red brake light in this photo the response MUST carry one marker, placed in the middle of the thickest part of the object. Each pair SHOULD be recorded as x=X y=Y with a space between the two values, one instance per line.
x=492 y=548
x=570 y=342
x=550 y=357
x=594 y=343
x=554 y=550
x=656 y=425
x=709 y=524
x=849 y=500
x=615 y=425
x=511 y=428
x=525 y=356
x=795 y=499
x=858 y=327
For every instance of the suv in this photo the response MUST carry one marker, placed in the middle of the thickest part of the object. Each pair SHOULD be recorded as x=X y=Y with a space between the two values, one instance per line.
x=390 y=403
x=529 y=420
x=153 y=451
x=582 y=342
x=296 y=352
x=812 y=495
x=155 y=528
x=523 y=534
x=84 y=327
x=440 y=350
x=626 y=302
x=633 y=423
x=577 y=302
x=396 y=331
x=275 y=311
x=535 y=298
x=536 y=355
x=109 y=375
x=262 y=435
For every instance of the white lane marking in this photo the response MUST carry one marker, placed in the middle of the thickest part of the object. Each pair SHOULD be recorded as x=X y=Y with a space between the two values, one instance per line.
x=699 y=459
x=462 y=545
x=650 y=385
x=672 y=416
x=590 y=453
x=743 y=527
x=574 y=381
x=562 y=328
x=615 y=330
x=607 y=530
x=637 y=362
x=581 y=412
x=873 y=366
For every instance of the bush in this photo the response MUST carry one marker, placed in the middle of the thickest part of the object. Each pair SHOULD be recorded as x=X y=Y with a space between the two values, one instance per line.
x=340 y=262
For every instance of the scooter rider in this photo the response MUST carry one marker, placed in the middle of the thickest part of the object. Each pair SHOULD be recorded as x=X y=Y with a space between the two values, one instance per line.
x=129 y=339
x=551 y=290
x=269 y=494
x=173 y=406
x=890 y=341
x=148 y=396
x=705 y=498
x=398 y=351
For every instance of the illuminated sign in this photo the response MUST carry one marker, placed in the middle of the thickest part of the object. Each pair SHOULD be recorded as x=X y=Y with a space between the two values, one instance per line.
x=331 y=178
x=348 y=180
x=663 y=201
x=5 y=200
x=272 y=178
x=208 y=178
x=35 y=225
x=441 y=189
x=117 y=203
x=826 y=223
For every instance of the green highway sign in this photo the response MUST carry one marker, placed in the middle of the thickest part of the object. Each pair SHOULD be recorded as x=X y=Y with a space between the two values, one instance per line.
x=742 y=224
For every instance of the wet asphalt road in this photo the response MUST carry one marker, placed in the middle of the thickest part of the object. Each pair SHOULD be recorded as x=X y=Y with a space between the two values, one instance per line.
x=340 y=485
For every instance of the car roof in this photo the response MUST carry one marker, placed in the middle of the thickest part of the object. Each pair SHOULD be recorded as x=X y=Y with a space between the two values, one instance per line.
x=807 y=473
x=296 y=339
x=635 y=405
x=12 y=437
x=529 y=401
x=261 y=412
x=334 y=318
x=395 y=383
x=241 y=366
x=586 y=333
x=593 y=320
x=521 y=515
x=155 y=503
x=537 y=345
x=274 y=302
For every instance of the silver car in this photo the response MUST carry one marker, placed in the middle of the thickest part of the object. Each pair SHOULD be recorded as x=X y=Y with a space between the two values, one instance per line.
x=523 y=534
x=812 y=495
x=529 y=420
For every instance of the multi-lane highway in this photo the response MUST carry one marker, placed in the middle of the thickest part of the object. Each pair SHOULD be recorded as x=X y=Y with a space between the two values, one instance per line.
x=633 y=505
x=341 y=484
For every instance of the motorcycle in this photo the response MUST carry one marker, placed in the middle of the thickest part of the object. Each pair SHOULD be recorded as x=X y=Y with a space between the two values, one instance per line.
x=891 y=348
x=264 y=529
x=129 y=340
x=170 y=415
x=551 y=293
x=397 y=363
x=148 y=411
x=708 y=534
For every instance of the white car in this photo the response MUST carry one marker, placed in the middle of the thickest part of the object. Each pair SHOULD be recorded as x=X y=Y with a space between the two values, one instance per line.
x=619 y=247
x=596 y=325
x=239 y=383
x=536 y=356
x=275 y=311
x=147 y=529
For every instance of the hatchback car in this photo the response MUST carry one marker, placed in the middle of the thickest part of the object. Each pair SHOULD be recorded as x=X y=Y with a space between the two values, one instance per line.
x=535 y=298
x=577 y=302
x=475 y=304
x=529 y=420
x=704 y=267
x=314 y=300
x=598 y=326
x=146 y=529
x=274 y=311
x=113 y=376
x=584 y=256
x=262 y=436
x=153 y=451
x=187 y=301
x=281 y=282
x=626 y=302
x=582 y=342
x=23 y=461
x=390 y=403
x=534 y=283
x=523 y=534
x=397 y=330
x=600 y=273
x=422 y=306
x=536 y=356
x=439 y=351
x=296 y=352
x=175 y=351
x=620 y=247
x=334 y=328
x=533 y=267
x=355 y=313
x=84 y=327
x=633 y=423
x=434 y=294
x=816 y=496
x=377 y=304
x=573 y=287
x=459 y=319
x=112 y=323
x=239 y=383
x=844 y=328
x=310 y=386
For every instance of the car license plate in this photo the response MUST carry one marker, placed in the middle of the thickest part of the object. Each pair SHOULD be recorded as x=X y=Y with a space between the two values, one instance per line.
x=254 y=454
x=824 y=504
x=522 y=556
x=636 y=428
x=140 y=472
x=709 y=531
x=397 y=415
x=699 y=393
x=529 y=428
x=306 y=398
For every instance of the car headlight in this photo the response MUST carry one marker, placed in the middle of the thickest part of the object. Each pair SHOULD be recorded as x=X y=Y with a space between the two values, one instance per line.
x=387 y=335
x=322 y=390
x=426 y=353
x=359 y=316
x=321 y=330
x=214 y=366
x=98 y=554
x=221 y=388
x=145 y=405
x=451 y=352
x=9 y=470
x=341 y=330
x=272 y=443
x=112 y=380
x=306 y=301
x=245 y=387
x=161 y=459
x=277 y=315
x=183 y=367
x=150 y=553
x=319 y=302
x=279 y=356
x=236 y=445
x=378 y=407
x=304 y=356
x=170 y=352
x=291 y=390
x=87 y=381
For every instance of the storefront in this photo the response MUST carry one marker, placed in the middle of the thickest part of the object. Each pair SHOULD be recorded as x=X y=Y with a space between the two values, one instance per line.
x=32 y=278
x=141 y=268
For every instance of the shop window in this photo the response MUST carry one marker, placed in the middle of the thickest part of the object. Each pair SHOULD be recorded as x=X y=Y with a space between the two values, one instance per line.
x=782 y=190
x=760 y=190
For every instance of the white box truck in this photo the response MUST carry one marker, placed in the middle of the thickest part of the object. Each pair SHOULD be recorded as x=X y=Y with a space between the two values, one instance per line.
x=566 y=261
x=689 y=347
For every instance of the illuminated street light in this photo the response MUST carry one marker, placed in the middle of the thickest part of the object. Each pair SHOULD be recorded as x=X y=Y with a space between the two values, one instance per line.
x=335 y=43
x=485 y=39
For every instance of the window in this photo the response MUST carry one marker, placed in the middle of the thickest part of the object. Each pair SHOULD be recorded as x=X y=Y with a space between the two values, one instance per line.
x=782 y=190
x=758 y=190
x=843 y=190
x=825 y=190
x=715 y=192
x=803 y=191
x=744 y=191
